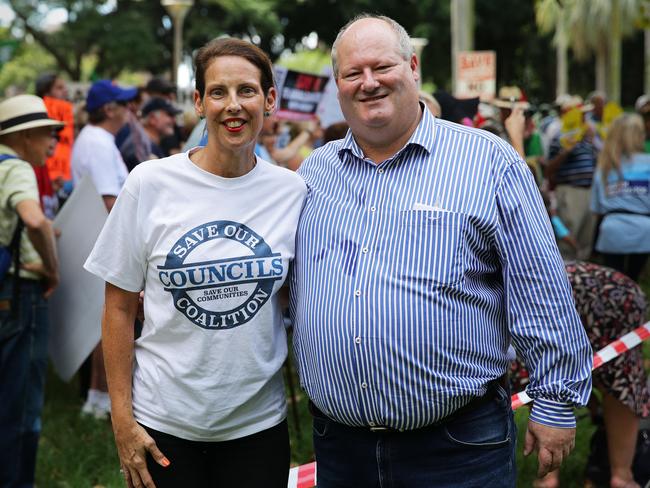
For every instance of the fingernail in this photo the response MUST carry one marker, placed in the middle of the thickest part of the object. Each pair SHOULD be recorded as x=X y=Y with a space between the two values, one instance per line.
x=165 y=462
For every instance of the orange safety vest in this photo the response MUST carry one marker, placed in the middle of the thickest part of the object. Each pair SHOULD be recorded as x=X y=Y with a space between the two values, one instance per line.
x=58 y=165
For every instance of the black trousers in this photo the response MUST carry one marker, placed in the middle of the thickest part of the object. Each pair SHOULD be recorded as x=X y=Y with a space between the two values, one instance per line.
x=258 y=460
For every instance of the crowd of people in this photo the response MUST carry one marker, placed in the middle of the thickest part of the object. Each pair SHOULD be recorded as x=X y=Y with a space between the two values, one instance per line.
x=421 y=239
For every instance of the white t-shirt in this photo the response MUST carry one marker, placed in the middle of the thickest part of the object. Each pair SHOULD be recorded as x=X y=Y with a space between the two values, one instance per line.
x=94 y=152
x=211 y=254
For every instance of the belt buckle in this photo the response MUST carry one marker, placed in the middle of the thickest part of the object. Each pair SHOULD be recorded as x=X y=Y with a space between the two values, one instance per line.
x=379 y=428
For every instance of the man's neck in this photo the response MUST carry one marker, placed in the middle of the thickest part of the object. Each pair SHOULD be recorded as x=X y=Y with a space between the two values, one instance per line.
x=379 y=148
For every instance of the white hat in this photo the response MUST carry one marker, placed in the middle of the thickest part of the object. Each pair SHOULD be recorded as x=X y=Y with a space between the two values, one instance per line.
x=642 y=104
x=511 y=96
x=24 y=112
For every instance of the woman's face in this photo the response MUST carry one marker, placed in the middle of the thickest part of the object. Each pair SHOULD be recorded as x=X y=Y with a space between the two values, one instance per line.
x=233 y=103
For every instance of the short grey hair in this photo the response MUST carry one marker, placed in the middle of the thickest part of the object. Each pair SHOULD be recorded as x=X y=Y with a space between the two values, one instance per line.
x=404 y=45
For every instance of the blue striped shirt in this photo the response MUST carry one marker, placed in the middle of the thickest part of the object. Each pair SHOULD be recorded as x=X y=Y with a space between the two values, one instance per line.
x=578 y=169
x=413 y=276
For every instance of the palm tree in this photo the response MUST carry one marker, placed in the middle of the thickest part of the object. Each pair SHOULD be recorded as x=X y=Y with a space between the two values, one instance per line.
x=593 y=26
x=550 y=17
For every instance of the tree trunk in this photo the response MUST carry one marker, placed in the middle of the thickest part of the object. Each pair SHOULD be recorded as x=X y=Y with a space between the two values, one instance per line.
x=462 y=32
x=562 y=66
x=646 y=84
x=601 y=66
x=615 y=53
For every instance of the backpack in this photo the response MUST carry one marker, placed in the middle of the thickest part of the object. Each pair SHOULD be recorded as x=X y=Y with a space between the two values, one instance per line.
x=13 y=249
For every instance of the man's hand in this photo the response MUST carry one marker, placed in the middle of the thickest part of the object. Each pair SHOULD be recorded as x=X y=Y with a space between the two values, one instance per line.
x=50 y=277
x=552 y=444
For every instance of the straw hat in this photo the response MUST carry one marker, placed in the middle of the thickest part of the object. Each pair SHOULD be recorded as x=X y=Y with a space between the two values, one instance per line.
x=24 y=112
x=511 y=96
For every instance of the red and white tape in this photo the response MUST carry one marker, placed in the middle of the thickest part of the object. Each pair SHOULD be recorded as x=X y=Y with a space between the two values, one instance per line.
x=606 y=354
x=305 y=476
x=302 y=476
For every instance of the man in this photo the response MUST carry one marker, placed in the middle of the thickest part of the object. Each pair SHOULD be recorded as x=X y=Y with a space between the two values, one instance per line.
x=162 y=88
x=25 y=140
x=95 y=154
x=157 y=122
x=423 y=249
x=570 y=168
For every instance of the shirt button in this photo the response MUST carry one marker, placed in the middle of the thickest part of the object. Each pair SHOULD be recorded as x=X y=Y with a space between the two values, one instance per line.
x=364 y=250
x=371 y=424
x=358 y=293
x=372 y=209
x=380 y=170
x=364 y=385
x=358 y=340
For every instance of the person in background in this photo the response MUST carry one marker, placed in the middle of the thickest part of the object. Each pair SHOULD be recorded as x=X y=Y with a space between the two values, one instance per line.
x=642 y=107
x=431 y=103
x=162 y=88
x=570 y=169
x=54 y=92
x=157 y=122
x=95 y=154
x=25 y=141
x=610 y=305
x=621 y=197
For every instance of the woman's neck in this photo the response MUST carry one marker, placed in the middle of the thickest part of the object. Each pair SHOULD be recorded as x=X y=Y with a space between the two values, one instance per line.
x=227 y=164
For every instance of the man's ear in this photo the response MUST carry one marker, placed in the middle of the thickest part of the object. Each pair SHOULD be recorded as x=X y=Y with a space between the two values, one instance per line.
x=414 y=67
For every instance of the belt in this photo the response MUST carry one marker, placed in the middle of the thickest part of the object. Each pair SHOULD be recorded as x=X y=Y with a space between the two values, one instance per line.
x=475 y=403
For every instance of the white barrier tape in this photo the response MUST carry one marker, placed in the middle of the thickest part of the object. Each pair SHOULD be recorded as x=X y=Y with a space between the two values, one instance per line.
x=606 y=354
x=305 y=476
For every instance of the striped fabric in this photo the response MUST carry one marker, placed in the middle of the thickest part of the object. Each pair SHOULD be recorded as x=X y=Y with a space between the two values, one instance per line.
x=412 y=277
x=578 y=169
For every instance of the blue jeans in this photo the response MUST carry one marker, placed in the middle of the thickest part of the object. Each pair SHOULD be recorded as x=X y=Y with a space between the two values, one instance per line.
x=23 y=361
x=475 y=448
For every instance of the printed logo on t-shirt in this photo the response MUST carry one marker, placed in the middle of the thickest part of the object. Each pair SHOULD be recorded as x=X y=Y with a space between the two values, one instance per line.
x=226 y=292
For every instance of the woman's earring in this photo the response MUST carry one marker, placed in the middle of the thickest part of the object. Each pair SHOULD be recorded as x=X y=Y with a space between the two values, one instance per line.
x=267 y=113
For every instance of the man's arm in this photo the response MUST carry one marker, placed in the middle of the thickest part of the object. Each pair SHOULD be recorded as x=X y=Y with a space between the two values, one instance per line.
x=109 y=201
x=41 y=234
x=544 y=324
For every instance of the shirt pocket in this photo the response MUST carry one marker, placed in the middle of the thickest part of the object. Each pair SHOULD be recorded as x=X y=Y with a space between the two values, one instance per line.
x=431 y=248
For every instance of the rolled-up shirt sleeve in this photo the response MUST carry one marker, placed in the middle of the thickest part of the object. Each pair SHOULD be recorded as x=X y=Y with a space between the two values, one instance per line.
x=544 y=324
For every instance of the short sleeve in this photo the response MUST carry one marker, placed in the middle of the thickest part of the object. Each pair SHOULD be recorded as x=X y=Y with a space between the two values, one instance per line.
x=103 y=171
x=118 y=256
x=20 y=185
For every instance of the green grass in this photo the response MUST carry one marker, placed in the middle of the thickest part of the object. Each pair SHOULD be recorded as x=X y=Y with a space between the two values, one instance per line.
x=78 y=452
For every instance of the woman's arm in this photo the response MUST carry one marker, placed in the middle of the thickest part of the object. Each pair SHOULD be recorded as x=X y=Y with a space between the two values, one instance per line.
x=132 y=441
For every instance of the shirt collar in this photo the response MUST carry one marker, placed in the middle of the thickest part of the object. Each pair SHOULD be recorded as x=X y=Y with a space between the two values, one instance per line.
x=423 y=136
x=7 y=150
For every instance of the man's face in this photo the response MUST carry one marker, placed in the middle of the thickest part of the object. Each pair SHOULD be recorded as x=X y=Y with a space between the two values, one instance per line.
x=39 y=146
x=377 y=86
x=162 y=123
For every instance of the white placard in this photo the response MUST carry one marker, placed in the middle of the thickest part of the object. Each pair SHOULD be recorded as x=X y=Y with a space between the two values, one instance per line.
x=76 y=305
x=476 y=74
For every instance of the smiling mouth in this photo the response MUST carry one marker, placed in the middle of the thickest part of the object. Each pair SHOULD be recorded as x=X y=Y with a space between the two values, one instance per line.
x=234 y=125
x=372 y=99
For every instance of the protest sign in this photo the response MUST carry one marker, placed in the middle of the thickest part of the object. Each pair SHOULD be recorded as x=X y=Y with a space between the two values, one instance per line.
x=76 y=306
x=476 y=75
x=299 y=94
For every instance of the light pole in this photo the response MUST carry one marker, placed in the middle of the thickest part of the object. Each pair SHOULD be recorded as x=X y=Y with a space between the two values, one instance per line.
x=177 y=10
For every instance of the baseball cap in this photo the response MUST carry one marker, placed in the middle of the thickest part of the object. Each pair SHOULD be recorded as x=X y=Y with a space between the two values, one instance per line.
x=24 y=112
x=157 y=103
x=105 y=91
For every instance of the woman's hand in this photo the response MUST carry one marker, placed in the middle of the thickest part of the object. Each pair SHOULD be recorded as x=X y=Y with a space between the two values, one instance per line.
x=133 y=442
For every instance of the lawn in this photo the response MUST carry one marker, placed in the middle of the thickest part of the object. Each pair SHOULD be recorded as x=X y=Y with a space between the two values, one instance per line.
x=78 y=452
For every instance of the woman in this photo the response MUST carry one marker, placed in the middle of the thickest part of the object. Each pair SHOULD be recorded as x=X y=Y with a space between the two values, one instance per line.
x=208 y=234
x=610 y=305
x=621 y=196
